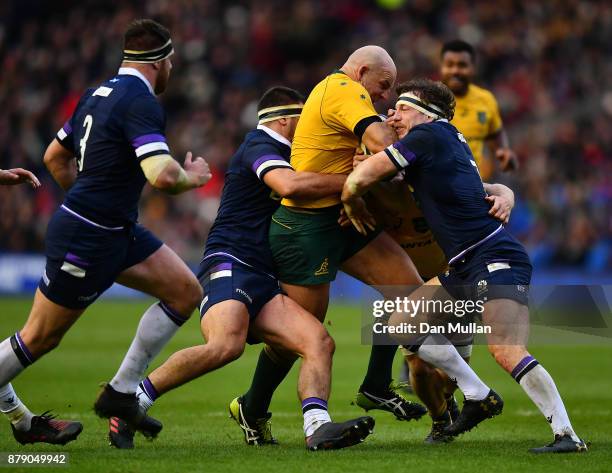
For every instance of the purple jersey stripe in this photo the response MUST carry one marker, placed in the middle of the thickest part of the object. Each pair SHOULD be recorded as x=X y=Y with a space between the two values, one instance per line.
x=150 y=138
x=74 y=259
x=405 y=152
x=67 y=128
x=263 y=159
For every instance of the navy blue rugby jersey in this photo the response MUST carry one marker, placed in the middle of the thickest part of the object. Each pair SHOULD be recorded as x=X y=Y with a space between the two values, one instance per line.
x=247 y=203
x=446 y=184
x=113 y=128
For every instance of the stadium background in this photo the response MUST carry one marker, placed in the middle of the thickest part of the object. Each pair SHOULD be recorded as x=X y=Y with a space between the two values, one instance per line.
x=548 y=63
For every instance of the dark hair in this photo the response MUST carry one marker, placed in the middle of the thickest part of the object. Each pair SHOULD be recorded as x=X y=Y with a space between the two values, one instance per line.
x=279 y=95
x=459 y=46
x=431 y=92
x=145 y=35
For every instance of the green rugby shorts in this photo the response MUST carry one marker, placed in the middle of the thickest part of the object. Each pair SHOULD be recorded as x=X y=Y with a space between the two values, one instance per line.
x=309 y=245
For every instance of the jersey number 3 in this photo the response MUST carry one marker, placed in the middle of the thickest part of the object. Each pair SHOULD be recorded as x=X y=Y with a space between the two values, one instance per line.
x=87 y=123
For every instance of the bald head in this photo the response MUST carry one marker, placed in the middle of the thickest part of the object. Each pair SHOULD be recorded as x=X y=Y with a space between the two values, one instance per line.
x=372 y=56
x=373 y=68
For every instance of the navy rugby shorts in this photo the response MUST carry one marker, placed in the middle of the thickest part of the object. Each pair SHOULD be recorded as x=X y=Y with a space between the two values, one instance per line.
x=84 y=258
x=497 y=269
x=223 y=279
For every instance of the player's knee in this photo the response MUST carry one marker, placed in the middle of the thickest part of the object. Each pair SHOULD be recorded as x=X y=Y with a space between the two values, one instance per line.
x=232 y=351
x=327 y=344
x=189 y=294
x=320 y=343
x=194 y=294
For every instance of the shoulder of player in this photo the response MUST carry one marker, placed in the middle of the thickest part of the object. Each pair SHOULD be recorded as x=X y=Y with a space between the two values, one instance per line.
x=423 y=131
x=259 y=137
x=427 y=136
x=141 y=100
x=88 y=93
x=482 y=94
x=258 y=143
x=339 y=83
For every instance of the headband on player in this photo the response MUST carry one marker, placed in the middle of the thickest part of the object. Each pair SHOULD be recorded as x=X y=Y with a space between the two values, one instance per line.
x=153 y=55
x=282 y=111
x=427 y=108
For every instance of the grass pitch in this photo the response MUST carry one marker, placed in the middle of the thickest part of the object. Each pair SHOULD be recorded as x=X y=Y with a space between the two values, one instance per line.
x=199 y=436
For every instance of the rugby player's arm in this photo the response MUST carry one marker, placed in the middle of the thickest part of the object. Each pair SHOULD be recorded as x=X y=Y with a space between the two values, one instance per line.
x=61 y=163
x=377 y=135
x=368 y=173
x=499 y=147
x=167 y=175
x=303 y=185
x=501 y=199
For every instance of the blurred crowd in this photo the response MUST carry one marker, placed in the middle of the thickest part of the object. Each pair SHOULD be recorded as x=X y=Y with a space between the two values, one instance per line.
x=548 y=63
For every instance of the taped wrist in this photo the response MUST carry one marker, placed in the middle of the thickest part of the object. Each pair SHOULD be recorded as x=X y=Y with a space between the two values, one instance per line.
x=154 y=166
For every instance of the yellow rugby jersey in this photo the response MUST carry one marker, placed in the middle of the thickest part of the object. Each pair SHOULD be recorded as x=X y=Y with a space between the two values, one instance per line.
x=476 y=117
x=411 y=231
x=324 y=139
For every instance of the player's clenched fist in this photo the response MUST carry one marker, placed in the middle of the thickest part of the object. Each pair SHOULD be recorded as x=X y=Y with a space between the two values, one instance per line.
x=359 y=157
x=11 y=177
x=197 y=169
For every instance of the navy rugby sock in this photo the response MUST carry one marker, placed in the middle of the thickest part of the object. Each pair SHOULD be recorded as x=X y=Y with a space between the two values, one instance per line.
x=379 y=375
x=269 y=373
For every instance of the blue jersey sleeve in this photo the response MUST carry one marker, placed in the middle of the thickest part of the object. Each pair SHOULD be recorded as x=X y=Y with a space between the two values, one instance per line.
x=64 y=136
x=411 y=149
x=261 y=158
x=144 y=127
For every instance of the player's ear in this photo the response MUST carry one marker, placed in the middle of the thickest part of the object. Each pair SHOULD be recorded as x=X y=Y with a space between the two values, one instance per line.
x=361 y=71
x=157 y=65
